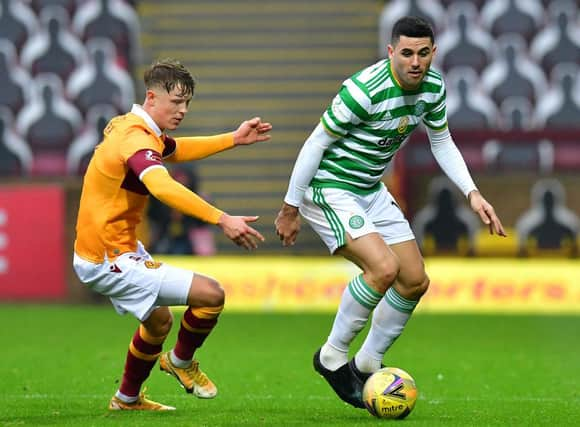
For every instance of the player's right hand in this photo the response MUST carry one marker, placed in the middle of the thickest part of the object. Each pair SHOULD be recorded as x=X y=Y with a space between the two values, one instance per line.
x=287 y=224
x=486 y=212
x=236 y=229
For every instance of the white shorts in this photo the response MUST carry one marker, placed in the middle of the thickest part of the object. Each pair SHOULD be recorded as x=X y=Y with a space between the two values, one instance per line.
x=135 y=283
x=333 y=213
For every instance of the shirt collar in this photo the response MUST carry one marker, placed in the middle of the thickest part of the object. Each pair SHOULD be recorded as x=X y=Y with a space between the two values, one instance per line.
x=139 y=111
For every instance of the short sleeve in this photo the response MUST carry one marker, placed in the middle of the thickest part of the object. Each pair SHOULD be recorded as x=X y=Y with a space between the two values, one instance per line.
x=436 y=118
x=136 y=139
x=143 y=161
x=348 y=109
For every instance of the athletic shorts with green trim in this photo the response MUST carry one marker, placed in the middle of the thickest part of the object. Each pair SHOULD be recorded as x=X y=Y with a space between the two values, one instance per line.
x=333 y=213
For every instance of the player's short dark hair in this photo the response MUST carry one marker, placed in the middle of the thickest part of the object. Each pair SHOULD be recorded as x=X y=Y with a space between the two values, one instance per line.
x=411 y=26
x=169 y=74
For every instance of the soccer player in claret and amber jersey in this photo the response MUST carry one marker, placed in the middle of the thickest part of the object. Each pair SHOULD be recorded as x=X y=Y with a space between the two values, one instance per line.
x=127 y=167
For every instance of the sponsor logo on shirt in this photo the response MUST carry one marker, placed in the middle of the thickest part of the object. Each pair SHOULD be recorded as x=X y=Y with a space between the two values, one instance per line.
x=393 y=142
x=152 y=156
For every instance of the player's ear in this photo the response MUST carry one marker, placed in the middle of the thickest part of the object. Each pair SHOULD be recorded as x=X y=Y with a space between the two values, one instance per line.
x=150 y=96
x=390 y=51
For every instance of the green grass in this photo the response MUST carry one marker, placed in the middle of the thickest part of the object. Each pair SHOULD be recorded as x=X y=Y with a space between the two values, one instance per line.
x=61 y=365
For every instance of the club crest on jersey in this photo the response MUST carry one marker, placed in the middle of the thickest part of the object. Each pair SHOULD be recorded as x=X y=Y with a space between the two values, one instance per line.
x=356 y=222
x=153 y=264
x=419 y=108
x=403 y=123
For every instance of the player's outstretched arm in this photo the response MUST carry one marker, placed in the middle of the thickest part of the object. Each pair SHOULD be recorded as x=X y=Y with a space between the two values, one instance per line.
x=190 y=148
x=162 y=186
x=236 y=229
x=251 y=131
x=486 y=212
x=175 y=195
x=287 y=224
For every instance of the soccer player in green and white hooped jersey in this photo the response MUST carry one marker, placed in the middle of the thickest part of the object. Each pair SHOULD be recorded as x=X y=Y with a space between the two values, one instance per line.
x=336 y=186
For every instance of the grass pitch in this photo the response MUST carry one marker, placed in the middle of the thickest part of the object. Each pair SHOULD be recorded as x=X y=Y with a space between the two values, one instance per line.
x=61 y=364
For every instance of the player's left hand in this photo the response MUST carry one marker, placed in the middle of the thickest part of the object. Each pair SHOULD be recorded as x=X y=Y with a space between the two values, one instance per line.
x=486 y=212
x=236 y=229
x=251 y=131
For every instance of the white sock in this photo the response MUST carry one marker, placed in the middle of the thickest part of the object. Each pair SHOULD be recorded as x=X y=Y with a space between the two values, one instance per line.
x=332 y=358
x=356 y=304
x=389 y=320
x=177 y=362
x=125 y=398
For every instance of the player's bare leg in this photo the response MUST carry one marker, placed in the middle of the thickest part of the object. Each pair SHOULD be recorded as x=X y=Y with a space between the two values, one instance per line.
x=206 y=300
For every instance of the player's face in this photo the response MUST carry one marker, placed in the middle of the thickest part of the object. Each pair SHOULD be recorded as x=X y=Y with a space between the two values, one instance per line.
x=410 y=60
x=167 y=109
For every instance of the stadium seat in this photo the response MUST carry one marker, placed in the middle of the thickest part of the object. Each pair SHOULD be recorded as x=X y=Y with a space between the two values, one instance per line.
x=15 y=155
x=15 y=80
x=112 y=19
x=463 y=43
x=53 y=48
x=517 y=114
x=68 y=5
x=443 y=225
x=100 y=80
x=511 y=156
x=525 y=153
x=17 y=22
x=81 y=149
x=559 y=107
x=49 y=123
x=477 y=3
x=468 y=107
x=548 y=224
x=559 y=41
x=512 y=73
x=514 y=16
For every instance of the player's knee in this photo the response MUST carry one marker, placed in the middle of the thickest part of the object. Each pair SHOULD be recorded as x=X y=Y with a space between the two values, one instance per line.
x=388 y=271
x=165 y=327
x=214 y=295
x=384 y=274
x=206 y=292
x=160 y=326
x=217 y=296
x=418 y=288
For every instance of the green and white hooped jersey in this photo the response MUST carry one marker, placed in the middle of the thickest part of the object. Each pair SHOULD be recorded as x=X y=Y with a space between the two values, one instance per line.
x=372 y=116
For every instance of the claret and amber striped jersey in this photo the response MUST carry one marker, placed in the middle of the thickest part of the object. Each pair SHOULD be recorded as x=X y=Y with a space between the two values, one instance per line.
x=372 y=116
x=114 y=196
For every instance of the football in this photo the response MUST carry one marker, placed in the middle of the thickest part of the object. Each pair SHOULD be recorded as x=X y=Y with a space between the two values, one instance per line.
x=390 y=393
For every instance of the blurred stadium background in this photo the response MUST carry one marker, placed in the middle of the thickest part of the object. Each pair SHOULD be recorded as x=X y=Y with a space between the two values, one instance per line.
x=513 y=87
x=68 y=66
